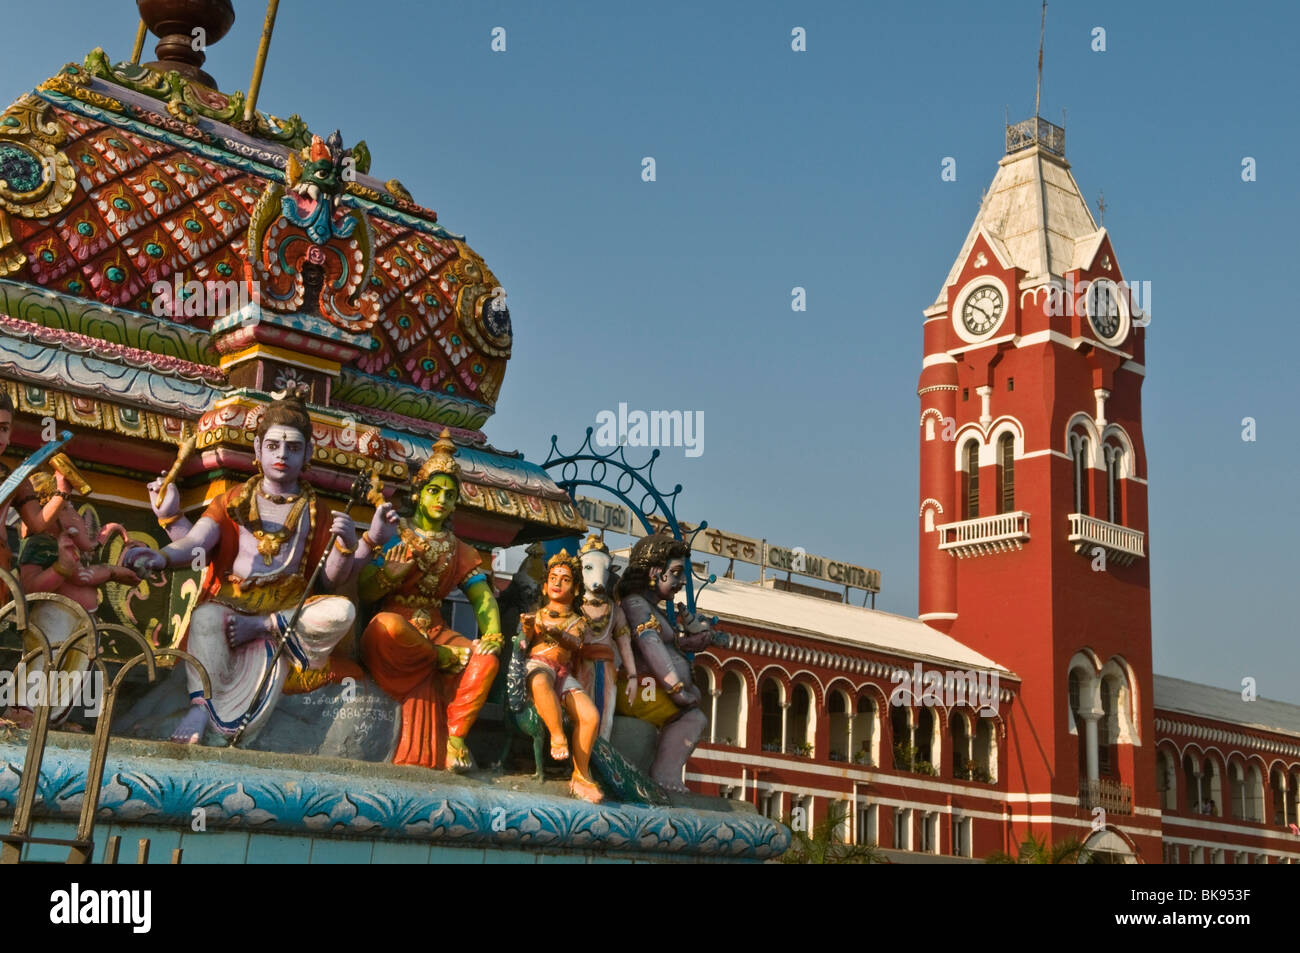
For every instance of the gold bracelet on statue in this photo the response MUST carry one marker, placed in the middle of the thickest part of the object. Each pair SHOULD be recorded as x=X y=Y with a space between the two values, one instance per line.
x=651 y=623
x=365 y=538
x=338 y=544
x=165 y=521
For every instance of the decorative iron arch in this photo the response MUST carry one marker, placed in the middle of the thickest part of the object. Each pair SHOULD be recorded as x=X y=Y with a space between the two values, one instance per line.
x=634 y=486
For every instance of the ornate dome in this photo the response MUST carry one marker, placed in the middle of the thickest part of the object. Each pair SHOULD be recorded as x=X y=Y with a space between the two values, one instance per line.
x=138 y=189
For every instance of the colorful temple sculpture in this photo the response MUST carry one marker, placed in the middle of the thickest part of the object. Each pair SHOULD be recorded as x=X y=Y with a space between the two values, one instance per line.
x=232 y=330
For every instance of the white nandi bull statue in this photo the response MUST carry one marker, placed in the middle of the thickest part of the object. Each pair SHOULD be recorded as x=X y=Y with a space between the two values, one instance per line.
x=598 y=673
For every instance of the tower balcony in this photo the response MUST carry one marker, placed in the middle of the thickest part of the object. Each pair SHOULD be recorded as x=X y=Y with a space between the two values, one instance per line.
x=985 y=535
x=1120 y=543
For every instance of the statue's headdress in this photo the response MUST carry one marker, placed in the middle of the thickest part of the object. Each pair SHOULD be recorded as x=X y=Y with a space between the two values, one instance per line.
x=441 y=461
x=593 y=543
x=562 y=558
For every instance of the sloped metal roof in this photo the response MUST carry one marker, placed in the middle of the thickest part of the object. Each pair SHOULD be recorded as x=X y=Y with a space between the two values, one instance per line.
x=1220 y=704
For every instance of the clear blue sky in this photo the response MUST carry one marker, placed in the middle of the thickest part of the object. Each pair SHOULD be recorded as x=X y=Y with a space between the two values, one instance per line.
x=821 y=169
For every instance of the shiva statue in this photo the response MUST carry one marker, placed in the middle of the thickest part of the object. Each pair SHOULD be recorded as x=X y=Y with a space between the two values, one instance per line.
x=555 y=638
x=656 y=572
x=259 y=544
x=608 y=629
x=441 y=677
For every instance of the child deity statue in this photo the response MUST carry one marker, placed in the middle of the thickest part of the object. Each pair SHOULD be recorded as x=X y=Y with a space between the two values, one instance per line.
x=554 y=637
x=441 y=677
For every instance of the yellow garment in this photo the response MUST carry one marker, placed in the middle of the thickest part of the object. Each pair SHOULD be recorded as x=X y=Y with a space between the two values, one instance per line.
x=658 y=712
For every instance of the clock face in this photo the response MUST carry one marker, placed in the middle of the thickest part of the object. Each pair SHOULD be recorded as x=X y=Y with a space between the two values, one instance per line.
x=982 y=309
x=1103 y=309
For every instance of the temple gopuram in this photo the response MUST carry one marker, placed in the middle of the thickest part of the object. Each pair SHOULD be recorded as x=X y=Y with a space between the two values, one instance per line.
x=172 y=262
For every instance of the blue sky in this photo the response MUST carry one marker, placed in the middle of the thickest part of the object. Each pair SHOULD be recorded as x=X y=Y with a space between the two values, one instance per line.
x=821 y=170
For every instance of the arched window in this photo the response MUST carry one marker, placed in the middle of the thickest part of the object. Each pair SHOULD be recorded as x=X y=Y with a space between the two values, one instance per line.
x=769 y=700
x=1076 y=706
x=900 y=725
x=864 y=732
x=1114 y=489
x=731 y=710
x=961 y=753
x=1237 y=790
x=1277 y=791
x=1214 y=789
x=1196 y=784
x=1006 y=473
x=927 y=749
x=1079 y=458
x=1108 y=730
x=800 y=724
x=838 y=712
x=985 y=751
x=1254 y=794
x=1166 y=781
x=970 y=481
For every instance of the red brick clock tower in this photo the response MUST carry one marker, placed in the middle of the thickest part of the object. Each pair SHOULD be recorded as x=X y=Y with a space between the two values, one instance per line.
x=1033 y=508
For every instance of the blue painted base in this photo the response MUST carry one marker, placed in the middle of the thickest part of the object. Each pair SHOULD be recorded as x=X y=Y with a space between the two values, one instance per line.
x=223 y=806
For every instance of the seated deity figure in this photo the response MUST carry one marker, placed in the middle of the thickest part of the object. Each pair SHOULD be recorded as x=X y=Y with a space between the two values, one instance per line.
x=260 y=543
x=599 y=671
x=554 y=638
x=655 y=573
x=60 y=559
x=33 y=514
x=441 y=677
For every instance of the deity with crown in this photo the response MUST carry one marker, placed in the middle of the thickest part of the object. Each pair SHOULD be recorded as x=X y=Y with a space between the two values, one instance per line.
x=441 y=677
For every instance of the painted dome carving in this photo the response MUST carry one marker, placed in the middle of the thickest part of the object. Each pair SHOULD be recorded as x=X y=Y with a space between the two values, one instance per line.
x=111 y=189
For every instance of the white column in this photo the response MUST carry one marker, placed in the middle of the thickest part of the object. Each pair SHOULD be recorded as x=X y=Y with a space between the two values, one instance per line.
x=1101 y=394
x=1090 y=740
x=986 y=417
x=785 y=711
x=713 y=719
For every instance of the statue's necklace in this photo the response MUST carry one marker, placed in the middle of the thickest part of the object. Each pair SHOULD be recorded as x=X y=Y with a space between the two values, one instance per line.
x=268 y=542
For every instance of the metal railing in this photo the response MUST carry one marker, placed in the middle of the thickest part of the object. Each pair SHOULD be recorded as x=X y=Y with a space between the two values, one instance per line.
x=85 y=636
x=1036 y=131
x=1113 y=797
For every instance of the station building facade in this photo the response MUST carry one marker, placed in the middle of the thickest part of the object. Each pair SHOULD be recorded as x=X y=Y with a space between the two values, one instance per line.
x=1033 y=573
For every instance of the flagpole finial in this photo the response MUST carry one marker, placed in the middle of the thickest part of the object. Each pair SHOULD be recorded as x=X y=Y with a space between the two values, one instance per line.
x=1042 y=33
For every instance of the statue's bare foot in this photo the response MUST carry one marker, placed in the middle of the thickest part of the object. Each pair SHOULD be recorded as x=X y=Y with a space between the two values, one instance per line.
x=242 y=629
x=672 y=784
x=585 y=789
x=191 y=728
x=458 y=755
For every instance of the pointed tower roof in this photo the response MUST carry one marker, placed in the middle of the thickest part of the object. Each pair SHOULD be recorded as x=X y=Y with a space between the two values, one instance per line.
x=1033 y=214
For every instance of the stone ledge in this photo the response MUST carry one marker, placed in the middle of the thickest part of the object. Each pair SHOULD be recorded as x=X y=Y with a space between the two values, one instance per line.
x=162 y=784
